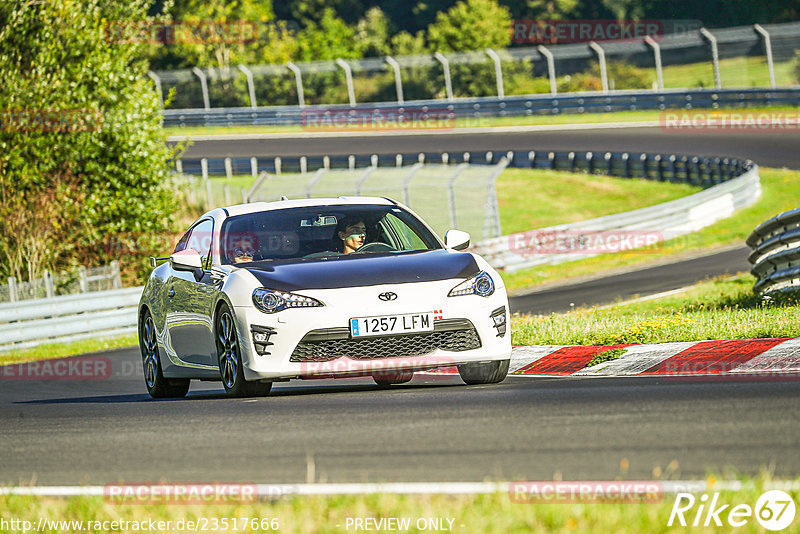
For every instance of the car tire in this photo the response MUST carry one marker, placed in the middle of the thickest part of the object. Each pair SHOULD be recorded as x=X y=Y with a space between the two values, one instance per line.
x=484 y=373
x=390 y=378
x=229 y=355
x=157 y=386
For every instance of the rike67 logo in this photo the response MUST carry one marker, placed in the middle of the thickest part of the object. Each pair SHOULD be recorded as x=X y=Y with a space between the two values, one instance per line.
x=774 y=510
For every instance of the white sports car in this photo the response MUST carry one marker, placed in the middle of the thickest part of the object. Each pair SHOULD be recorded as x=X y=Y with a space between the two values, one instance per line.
x=266 y=292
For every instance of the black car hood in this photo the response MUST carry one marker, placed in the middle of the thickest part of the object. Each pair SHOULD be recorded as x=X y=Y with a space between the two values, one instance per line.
x=364 y=270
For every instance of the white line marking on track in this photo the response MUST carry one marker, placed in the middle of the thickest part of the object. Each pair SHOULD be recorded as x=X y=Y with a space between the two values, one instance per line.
x=449 y=488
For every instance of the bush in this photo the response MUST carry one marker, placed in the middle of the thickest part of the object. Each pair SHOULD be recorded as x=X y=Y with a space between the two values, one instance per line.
x=83 y=157
x=621 y=75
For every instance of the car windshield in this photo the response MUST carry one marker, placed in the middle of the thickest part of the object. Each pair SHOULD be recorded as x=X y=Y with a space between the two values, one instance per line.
x=322 y=231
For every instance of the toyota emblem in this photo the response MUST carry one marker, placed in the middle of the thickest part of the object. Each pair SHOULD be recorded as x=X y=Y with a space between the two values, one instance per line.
x=387 y=296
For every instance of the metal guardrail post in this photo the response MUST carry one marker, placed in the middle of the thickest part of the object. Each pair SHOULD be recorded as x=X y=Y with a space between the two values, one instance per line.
x=448 y=83
x=228 y=168
x=551 y=68
x=12 y=289
x=48 y=285
x=209 y=194
x=768 y=47
x=451 y=194
x=363 y=178
x=498 y=72
x=278 y=165
x=157 y=79
x=83 y=281
x=714 y=55
x=313 y=182
x=251 y=88
x=254 y=167
x=407 y=182
x=298 y=79
x=203 y=85
x=303 y=164
x=348 y=75
x=116 y=281
x=247 y=196
x=601 y=57
x=491 y=224
x=204 y=168
x=657 y=57
x=398 y=80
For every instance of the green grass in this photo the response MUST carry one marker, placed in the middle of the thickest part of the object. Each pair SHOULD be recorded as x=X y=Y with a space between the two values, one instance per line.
x=780 y=192
x=734 y=72
x=484 y=514
x=539 y=198
x=715 y=309
x=533 y=120
x=606 y=356
x=62 y=350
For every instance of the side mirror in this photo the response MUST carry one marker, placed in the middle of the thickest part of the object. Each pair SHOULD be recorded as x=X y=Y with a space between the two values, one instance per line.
x=186 y=260
x=456 y=239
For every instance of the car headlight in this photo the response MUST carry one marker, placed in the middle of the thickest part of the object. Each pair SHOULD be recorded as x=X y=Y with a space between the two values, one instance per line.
x=480 y=284
x=269 y=301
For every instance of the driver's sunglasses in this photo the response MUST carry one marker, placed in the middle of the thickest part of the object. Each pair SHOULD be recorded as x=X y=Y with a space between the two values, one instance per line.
x=356 y=231
x=243 y=252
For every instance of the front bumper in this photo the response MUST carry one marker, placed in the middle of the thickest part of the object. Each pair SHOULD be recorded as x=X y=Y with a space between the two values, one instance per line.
x=316 y=342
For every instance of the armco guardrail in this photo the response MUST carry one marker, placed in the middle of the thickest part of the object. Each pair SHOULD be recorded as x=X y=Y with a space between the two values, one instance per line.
x=312 y=117
x=60 y=319
x=624 y=231
x=776 y=253
x=698 y=170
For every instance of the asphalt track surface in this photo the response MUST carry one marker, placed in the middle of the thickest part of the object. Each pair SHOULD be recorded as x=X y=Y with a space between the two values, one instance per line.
x=632 y=284
x=432 y=429
x=766 y=149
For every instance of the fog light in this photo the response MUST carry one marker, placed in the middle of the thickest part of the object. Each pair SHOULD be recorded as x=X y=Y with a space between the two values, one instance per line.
x=261 y=335
x=499 y=319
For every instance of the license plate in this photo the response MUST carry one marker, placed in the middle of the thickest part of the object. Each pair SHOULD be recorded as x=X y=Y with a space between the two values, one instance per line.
x=391 y=324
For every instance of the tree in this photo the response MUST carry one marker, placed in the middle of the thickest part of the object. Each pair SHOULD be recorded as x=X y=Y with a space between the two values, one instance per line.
x=372 y=33
x=225 y=34
x=83 y=156
x=330 y=39
x=542 y=9
x=471 y=25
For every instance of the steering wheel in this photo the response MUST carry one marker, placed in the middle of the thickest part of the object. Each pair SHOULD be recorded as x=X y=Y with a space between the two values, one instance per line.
x=376 y=246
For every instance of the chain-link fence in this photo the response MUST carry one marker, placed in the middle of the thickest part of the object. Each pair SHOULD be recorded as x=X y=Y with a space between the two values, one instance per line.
x=83 y=280
x=455 y=196
x=747 y=56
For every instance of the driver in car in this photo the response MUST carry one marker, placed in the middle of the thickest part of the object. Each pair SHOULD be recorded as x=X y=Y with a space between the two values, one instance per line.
x=353 y=233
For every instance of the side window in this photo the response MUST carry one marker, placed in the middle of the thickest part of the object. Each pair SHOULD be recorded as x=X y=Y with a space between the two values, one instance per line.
x=200 y=240
x=410 y=240
x=182 y=243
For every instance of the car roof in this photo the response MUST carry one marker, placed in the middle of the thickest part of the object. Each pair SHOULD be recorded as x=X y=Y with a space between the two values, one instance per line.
x=255 y=207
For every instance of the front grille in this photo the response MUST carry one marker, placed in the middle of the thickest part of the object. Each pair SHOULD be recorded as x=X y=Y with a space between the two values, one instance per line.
x=454 y=335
